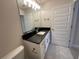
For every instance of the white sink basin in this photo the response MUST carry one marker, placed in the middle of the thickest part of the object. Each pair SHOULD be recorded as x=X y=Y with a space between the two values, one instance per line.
x=41 y=33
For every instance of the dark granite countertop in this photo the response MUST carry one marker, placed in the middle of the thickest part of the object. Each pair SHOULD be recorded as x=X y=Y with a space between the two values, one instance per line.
x=36 y=38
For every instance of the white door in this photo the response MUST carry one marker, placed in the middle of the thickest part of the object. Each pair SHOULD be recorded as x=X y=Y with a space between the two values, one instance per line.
x=62 y=27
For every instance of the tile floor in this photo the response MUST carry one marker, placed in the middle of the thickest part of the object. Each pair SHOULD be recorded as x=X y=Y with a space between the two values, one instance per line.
x=59 y=52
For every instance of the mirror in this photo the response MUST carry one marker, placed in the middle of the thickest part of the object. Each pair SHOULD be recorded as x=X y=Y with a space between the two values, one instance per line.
x=32 y=14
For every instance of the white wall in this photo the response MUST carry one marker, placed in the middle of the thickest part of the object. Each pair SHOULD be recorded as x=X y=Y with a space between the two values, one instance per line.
x=10 y=29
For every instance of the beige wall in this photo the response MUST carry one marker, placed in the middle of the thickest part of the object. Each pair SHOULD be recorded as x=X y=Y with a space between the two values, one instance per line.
x=10 y=30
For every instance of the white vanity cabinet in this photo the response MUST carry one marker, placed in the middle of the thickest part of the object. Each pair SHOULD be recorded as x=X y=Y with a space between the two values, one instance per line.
x=32 y=50
x=44 y=45
x=37 y=51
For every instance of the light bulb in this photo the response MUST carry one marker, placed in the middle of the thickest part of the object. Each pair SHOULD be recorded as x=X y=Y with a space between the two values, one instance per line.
x=29 y=5
x=35 y=8
x=38 y=7
x=25 y=2
x=32 y=4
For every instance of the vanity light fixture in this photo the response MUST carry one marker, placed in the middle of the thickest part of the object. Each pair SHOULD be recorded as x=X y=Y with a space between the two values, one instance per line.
x=32 y=4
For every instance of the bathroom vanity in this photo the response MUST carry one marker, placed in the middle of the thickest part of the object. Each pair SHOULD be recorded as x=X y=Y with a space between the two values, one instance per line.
x=36 y=45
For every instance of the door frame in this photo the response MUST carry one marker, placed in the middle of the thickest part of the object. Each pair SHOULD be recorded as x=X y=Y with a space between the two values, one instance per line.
x=73 y=26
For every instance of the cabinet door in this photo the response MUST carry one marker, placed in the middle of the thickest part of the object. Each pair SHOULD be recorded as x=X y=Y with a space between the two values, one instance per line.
x=42 y=47
x=32 y=49
x=47 y=41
